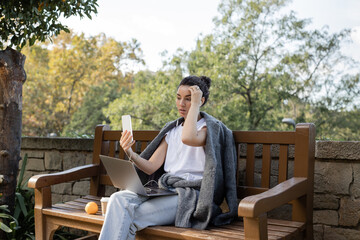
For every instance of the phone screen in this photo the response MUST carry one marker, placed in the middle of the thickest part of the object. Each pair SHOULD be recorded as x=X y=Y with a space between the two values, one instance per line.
x=126 y=124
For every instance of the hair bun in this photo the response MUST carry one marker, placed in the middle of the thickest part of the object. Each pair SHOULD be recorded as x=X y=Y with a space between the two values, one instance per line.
x=206 y=80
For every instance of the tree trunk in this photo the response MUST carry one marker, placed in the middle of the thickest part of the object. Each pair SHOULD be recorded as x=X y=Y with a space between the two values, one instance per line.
x=12 y=77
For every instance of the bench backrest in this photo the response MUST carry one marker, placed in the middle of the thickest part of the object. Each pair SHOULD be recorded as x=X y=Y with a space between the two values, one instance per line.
x=265 y=158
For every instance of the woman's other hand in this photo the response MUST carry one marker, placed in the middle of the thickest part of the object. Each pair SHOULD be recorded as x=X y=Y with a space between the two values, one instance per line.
x=196 y=96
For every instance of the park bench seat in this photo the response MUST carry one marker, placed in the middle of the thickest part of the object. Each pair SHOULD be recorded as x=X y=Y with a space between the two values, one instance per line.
x=256 y=196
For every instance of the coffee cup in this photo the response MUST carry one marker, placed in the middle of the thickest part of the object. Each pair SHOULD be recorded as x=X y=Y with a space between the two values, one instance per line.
x=104 y=202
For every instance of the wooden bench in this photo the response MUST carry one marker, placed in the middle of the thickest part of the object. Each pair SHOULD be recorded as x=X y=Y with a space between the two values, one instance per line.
x=255 y=151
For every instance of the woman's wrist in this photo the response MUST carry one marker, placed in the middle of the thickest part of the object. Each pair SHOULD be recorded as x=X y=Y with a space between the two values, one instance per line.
x=132 y=156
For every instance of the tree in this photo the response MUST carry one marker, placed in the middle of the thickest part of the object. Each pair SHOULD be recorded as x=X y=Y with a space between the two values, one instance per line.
x=65 y=72
x=265 y=65
x=150 y=102
x=259 y=59
x=90 y=114
x=336 y=113
x=23 y=22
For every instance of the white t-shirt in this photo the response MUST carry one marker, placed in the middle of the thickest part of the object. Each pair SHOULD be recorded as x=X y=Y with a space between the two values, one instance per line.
x=183 y=160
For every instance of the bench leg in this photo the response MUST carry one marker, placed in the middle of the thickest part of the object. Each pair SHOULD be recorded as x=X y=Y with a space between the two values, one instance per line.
x=44 y=229
x=256 y=228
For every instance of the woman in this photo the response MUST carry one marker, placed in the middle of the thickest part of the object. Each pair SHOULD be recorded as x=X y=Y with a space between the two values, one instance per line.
x=195 y=155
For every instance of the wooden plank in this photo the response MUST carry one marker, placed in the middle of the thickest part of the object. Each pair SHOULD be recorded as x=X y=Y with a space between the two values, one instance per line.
x=112 y=148
x=274 y=231
x=283 y=163
x=143 y=146
x=266 y=166
x=89 y=237
x=92 y=223
x=302 y=208
x=170 y=232
x=105 y=180
x=69 y=207
x=250 y=165
x=238 y=171
x=244 y=191
x=285 y=229
x=91 y=197
x=73 y=214
x=85 y=201
x=121 y=152
x=276 y=228
x=72 y=174
x=264 y=137
x=143 y=135
x=112 y=135
x=287 y=223
x=228 y=234
x=99 y=130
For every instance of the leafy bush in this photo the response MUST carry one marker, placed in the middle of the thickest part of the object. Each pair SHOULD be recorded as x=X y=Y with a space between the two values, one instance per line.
x=21 y=224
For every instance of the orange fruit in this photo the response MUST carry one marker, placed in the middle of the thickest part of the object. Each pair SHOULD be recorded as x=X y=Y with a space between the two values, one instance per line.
x=91 y=208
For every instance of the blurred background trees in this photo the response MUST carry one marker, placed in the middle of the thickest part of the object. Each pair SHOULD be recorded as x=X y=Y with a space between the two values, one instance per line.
x=265 y=64
x=74 y=76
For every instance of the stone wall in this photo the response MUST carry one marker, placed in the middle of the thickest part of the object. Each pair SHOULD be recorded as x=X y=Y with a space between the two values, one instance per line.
x=337 y=179
x=337 y=191
x=49 y=155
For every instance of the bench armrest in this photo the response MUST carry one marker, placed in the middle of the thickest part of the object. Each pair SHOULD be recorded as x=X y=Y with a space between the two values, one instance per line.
x=77 y=173
x=291 y=189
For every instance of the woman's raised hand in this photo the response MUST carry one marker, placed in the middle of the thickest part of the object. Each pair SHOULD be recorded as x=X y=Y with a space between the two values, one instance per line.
x=126 y=141
x=196 y=95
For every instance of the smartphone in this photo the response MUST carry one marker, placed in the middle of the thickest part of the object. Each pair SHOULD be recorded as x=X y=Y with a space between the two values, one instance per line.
x=126 y=124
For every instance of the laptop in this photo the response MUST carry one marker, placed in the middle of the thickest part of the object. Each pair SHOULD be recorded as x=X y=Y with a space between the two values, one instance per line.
x=124 y=176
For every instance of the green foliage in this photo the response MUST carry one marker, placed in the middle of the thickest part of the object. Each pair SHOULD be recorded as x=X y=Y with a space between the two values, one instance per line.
x=30 y=20
x=90 y=114
x=62 y=74
x=151 y=101
x=20 y=225
x=4 y=214
x=258 y=59
x=264 y=67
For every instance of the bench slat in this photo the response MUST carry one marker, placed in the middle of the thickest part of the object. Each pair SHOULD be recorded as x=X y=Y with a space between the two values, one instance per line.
x=112 y=148
x=143 y=135
x=274 y=231
x=74 y=214
x=262 y=137
x=250 y=165
x=283 y=163
x=266 y=166
x=105 y=180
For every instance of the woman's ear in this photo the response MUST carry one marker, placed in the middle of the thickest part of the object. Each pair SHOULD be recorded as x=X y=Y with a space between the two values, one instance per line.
x=202 y=101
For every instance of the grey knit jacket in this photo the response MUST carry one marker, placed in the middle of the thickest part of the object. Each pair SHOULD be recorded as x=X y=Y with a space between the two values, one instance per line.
x=219 y=178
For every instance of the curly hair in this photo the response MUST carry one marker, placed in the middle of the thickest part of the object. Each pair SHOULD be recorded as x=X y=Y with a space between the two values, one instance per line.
x=203 y=82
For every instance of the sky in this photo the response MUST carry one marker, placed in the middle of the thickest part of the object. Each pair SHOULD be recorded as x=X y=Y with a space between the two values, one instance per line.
x=166 y=25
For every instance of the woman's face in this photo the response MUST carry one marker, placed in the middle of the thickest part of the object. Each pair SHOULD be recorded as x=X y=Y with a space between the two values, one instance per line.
x=183 y=100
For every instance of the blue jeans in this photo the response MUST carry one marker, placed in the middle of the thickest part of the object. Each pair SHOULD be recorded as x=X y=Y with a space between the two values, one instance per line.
x=128 y=212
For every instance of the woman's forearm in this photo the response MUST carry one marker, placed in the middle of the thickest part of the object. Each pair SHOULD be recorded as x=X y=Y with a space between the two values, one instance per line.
x=143 y=164
x=189 y=132
x=155 y=161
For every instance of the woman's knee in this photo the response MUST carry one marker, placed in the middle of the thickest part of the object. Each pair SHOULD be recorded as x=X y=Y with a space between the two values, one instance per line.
x=123 y=194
